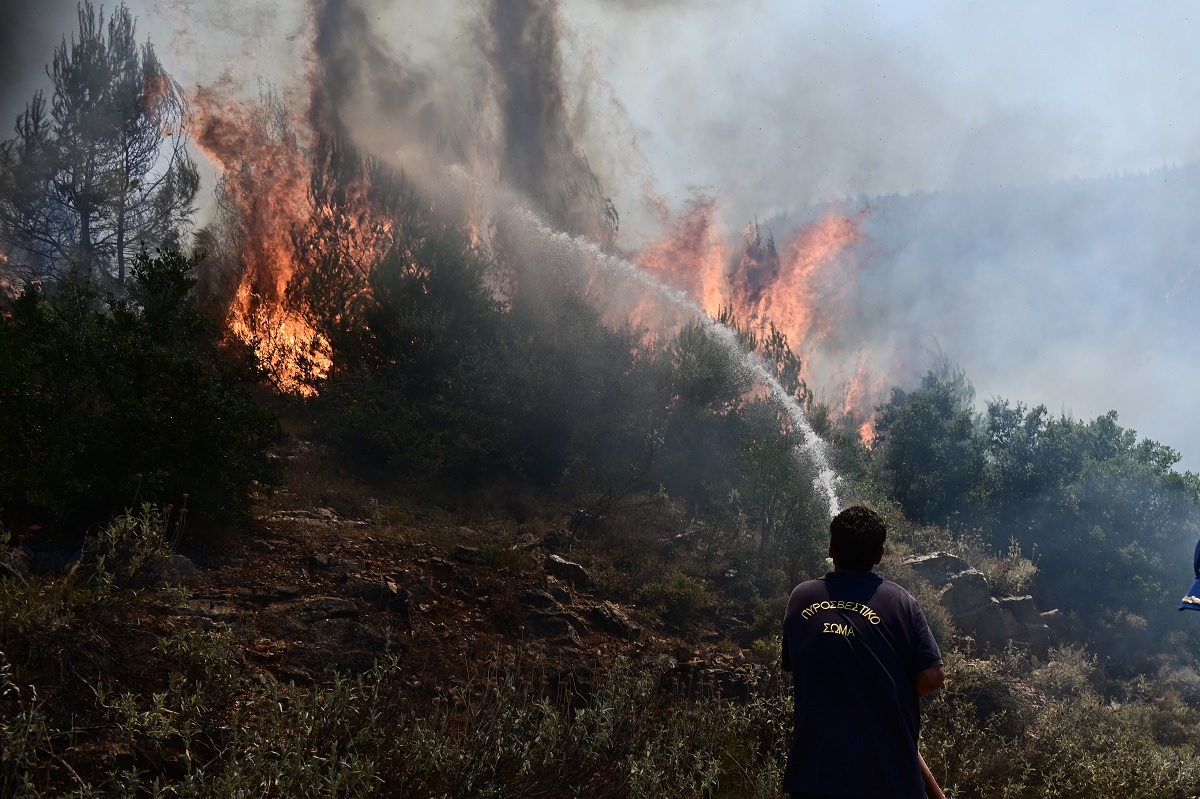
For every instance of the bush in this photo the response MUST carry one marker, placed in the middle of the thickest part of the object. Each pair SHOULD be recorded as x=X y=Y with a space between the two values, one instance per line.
x=108 y=400
x=677 y=599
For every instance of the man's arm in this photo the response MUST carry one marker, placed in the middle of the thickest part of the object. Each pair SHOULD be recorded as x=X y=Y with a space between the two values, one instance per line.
x=930 y=679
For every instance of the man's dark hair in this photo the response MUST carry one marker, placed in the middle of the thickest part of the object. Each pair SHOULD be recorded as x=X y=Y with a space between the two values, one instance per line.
x=857 y=533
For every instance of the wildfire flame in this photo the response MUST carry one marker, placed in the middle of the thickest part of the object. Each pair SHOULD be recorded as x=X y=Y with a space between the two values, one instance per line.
x=292 y=213
x=294 y=208
x=802 y=288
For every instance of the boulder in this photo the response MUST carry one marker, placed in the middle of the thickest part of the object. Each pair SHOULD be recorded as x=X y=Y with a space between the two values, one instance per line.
x=966 y=592
x=987 y=625
x=558 y=592
x=568 y=570
x=324 y=561
x=538 y=599
x=608 y=617
x=553 y=625
x=384 y=593
x=937 y=568
x=173 y=572
x=1038 y=636
x=469 y=555
x=1022 y=608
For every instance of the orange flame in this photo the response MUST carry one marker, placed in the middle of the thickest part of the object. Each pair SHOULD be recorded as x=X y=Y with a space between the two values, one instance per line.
x=265 y=176
x=802 y=289
x=862 y=395
x=293 y=212
x=692 y=256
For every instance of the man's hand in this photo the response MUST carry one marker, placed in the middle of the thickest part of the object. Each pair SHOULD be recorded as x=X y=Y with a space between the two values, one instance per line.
x=930 y=680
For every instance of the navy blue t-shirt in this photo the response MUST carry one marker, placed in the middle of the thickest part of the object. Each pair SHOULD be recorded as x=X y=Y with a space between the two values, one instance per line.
x=854 y=643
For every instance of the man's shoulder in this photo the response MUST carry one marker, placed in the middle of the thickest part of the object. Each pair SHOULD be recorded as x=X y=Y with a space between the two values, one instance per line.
x=815 y=587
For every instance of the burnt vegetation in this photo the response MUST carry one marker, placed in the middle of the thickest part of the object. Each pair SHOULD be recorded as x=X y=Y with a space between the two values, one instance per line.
x=493 y=546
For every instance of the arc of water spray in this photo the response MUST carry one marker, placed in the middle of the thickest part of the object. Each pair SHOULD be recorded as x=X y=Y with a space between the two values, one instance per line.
x=813 y=448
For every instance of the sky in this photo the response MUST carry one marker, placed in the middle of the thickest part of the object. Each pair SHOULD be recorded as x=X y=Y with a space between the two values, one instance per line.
x=774 y=106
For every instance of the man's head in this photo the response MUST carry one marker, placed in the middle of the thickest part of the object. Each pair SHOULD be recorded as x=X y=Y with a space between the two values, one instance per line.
x=856 y=537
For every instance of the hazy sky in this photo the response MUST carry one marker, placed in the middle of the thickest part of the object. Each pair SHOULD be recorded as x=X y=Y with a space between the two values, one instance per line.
x=790 y=102
x=774 y=105
x=783 y=103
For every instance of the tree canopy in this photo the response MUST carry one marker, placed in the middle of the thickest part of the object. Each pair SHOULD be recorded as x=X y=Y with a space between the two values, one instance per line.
x=100 y=170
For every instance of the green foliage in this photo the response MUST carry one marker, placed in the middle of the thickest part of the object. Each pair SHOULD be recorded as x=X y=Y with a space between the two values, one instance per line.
x=678 y=599
x=1001 y=728
x=126 y=398
x=926 y=452
x=1105 y=517
x=417 y=391
x=25 y=731
x=1084 y=515
x=775 y=489
x=129 y=544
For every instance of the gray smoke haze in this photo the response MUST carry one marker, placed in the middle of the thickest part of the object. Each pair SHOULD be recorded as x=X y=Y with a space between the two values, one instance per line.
x=29 y=32
x=984 y=139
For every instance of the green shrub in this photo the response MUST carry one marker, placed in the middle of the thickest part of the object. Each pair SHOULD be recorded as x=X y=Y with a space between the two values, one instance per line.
x=677 y=599
x=1001 y=728
x=123 y=399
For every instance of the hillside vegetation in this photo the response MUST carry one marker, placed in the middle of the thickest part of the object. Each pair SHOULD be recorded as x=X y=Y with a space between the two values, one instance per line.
x=518 y=574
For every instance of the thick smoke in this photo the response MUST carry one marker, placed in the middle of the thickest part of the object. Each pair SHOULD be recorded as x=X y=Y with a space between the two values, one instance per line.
x=487 y=99
x=29 y=32
x=1071 y=295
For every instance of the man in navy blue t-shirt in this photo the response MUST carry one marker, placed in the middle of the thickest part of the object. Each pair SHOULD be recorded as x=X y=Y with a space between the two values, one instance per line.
x=861 y=655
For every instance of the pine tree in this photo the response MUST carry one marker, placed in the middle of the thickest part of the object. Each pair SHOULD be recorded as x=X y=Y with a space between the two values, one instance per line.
x=102 y=169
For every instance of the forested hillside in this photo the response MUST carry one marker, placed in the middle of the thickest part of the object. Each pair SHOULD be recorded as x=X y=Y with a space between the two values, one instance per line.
x=422 y=515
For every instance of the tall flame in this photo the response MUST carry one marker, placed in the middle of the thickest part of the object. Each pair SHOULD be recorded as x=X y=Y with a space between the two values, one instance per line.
x=294 y=209
x=802 y=288
x=692 y=255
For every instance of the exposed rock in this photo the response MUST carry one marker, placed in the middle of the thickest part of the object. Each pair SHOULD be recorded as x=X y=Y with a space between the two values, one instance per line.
x=568 y=570
x=324 y=561
x=538 y=599
x=471 y=555
x=324 y=607
x=608 y=617
x=553 y=625
x=443 y=570
x=417 y=591
x=175 y=571
x=986 y=624
x=1022 y=608
x=966 y=592
x=1038 y=636
x=556 y=541
x=937 y=568
x=385 y=593
x=558 y=592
